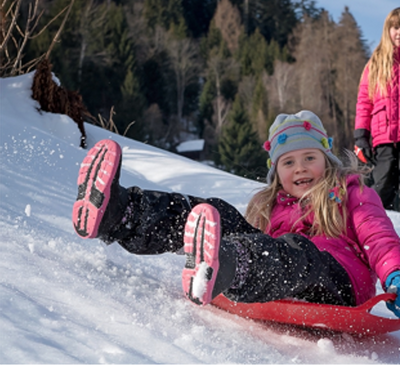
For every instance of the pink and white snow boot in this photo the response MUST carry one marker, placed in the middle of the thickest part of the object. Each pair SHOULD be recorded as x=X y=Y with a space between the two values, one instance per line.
x=98 y=184
x=202 y=278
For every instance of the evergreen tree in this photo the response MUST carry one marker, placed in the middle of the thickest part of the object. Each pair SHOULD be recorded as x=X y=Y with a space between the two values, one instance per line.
x=131 y=107
x=254 y=55
x=118 y=53
x=65 y=54
x=315 y=69
x=90 y=60
x=274 y=18
x=240 y=152
x=183 y=60
x=164 y=13
x=125 y=86
x=213 y=43
x=351 y=57
x=259 y=111
x=306 y=8
x=205 y=104
x=96 y=55
x=156 y=82
x=228 y=20
x=198 y=15
x=220 y=85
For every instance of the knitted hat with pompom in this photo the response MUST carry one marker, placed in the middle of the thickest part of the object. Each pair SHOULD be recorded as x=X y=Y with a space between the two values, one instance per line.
x=291 y=132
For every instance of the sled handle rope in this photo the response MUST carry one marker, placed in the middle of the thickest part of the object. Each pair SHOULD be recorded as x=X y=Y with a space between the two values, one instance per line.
x=369 y=304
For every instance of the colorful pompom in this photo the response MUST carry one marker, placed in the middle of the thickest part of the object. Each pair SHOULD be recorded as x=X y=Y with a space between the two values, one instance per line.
x=325 y=142
x=330 y=141
x=307 y=125
x=336 y=193
x=267 y=146
x=282 y=138
x=269 y=163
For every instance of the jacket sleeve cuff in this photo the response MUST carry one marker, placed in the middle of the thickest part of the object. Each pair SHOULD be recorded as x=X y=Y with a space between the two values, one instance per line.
x=362 y=133
x=389 y=279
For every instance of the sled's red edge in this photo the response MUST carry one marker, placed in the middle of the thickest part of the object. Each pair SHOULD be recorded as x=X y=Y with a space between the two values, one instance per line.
x=352 y=320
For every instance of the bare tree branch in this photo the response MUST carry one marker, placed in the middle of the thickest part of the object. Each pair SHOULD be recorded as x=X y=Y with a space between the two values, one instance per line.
x=219 y=68
x=128 y=127
x=28 y=30
x=12 y=25
x=49 y=23
x=185 y=63
x=109 y=124
x=57 y=36
x=14 y=38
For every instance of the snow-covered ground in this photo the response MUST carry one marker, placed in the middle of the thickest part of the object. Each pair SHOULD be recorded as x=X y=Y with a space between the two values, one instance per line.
x=68 y=300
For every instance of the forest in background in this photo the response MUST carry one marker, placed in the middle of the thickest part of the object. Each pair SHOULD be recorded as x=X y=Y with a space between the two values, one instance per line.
x=167 y=71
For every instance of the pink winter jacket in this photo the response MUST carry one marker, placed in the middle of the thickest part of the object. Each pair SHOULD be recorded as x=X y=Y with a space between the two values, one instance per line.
x=371 y=247
x=381 y=116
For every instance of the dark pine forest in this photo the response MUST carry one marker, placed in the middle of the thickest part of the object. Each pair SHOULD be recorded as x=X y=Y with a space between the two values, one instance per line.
x=167 y=71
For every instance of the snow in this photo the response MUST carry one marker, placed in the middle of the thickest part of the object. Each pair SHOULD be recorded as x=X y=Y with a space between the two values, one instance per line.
x=194 y=145
x=68 y=300
x=200 y=280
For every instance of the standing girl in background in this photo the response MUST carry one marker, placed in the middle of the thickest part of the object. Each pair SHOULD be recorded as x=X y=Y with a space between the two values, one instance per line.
x=315 y=232
x=378 y=112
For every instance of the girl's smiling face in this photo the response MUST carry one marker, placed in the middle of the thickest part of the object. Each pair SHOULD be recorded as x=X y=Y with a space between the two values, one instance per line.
x=394 y=32
x=298 y=171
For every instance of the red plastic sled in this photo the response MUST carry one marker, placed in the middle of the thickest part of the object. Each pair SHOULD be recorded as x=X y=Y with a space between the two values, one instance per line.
x=352 y=320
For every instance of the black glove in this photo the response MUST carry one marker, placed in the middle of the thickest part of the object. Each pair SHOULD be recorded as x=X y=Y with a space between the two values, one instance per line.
x=362 y=148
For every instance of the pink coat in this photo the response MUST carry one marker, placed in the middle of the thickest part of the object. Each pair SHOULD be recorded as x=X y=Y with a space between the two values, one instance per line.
x=381 y=116
x=371 y=247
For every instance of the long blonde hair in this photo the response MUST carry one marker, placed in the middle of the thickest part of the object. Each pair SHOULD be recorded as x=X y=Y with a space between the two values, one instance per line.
x=381 y=62
x=329 y=217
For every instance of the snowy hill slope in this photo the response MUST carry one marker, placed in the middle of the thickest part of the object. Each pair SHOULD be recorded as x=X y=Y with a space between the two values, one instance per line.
x=67 y=300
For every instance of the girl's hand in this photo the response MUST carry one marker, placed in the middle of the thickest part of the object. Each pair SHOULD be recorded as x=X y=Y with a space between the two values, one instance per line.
x=362 y=147
x=393 y=286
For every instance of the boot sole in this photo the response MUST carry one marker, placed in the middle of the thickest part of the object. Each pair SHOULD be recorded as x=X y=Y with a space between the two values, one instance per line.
x=95 y=178
x=202 y=241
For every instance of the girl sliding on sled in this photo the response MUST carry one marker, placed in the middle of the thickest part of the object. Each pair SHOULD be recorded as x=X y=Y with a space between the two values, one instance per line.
x=315 y=232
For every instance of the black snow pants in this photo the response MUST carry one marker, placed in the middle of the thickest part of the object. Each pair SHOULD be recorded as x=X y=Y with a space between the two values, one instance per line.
x=267 y=268
x=386 y=174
